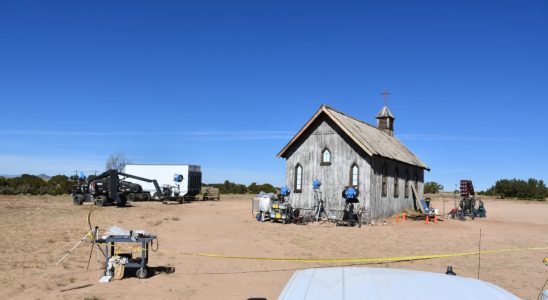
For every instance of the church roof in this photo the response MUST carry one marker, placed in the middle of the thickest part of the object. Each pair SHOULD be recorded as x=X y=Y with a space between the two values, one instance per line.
x=385 y=112
x=369 y=138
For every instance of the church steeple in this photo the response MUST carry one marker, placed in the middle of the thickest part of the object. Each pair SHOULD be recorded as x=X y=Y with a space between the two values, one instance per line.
x=385 y=119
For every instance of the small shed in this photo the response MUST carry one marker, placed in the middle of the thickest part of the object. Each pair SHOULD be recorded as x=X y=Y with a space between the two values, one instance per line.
x=341 y=151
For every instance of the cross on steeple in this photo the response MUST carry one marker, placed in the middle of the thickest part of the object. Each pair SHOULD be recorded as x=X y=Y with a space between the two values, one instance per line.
x=385 y=94
x=385 y=119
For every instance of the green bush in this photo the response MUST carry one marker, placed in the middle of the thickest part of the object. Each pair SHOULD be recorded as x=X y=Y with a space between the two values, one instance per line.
x=432 y=187
x=228 y=187
x=517 y=188
x=34 y=185
x=255 y=188
x=58 y=185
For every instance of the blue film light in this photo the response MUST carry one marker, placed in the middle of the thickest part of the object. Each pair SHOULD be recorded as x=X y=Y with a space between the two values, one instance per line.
x=316 y=184
x=284 y=191
x=350 y=193
x=178 y=178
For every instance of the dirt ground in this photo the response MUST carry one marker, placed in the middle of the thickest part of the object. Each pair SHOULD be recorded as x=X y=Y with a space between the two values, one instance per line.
x=37 y=231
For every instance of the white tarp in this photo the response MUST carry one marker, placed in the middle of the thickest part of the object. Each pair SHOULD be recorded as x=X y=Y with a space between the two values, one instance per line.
x=265 y=201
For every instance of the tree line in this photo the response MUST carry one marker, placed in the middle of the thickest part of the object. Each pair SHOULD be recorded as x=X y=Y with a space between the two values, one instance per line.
x=34 y=185
x=504 y=188
x=517 y=188
x=61 y=184
x=432 y=187
x=228 y=187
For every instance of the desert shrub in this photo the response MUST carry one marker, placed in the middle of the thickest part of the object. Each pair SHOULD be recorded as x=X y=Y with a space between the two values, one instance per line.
x=255 y=188
x=34 y=185
x=7 y=190
x=58 y=185
x=432 y=187
x=42 y=190
x=228 y=187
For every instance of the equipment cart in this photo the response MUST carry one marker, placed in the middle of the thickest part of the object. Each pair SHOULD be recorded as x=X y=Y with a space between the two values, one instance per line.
x=140 y=264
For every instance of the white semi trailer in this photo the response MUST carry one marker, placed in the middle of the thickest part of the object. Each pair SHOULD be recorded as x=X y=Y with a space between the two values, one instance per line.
x=189 y=186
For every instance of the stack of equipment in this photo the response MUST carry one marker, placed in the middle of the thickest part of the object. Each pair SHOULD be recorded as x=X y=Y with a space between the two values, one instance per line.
x=468 y=206
x=281 y=209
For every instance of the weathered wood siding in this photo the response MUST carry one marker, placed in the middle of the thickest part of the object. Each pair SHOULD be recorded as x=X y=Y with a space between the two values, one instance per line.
x=308 y=153
x=384 y=206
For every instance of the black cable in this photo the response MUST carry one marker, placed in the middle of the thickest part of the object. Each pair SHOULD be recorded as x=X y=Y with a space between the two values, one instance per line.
x=157 y=245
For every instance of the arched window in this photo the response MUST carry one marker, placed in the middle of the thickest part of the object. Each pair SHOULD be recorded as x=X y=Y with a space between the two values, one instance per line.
x=406 y=192
x=354 y=175
x=384 y=185
x=396 y=184
x=326 y=157
x=298 y=178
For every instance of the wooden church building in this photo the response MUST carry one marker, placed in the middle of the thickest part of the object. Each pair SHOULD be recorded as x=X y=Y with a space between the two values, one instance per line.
x=342 y=151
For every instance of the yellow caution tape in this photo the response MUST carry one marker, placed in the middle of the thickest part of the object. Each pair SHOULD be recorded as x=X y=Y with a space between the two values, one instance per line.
x=365 y=260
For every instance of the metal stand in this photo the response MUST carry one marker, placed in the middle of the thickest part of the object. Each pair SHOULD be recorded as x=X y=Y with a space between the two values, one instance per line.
x=350 y=217
x=91 y=232
x=319 y=208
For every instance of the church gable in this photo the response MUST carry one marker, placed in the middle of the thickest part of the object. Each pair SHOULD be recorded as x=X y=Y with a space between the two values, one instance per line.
x=372 y=140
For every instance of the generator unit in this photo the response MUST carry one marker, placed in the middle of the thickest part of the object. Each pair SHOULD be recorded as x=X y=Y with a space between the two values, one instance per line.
x=280 y=209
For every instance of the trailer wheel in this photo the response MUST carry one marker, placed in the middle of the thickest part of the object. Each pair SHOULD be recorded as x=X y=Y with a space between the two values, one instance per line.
x=131 y=197
x=78 y=199
x=100 y=200
x=141 y=273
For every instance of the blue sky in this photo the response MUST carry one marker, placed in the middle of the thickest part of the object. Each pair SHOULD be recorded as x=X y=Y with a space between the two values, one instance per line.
x=226 y=84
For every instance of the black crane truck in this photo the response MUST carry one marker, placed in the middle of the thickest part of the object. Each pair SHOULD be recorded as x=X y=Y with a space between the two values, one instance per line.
x=109 y=188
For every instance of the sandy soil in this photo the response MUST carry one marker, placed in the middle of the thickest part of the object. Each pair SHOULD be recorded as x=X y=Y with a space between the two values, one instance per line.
x=37 y=231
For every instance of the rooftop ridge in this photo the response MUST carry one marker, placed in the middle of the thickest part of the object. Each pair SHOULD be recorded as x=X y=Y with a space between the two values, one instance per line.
x=354 y=118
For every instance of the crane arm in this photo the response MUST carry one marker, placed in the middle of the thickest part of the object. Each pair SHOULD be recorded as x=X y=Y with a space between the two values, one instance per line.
x=154 y=181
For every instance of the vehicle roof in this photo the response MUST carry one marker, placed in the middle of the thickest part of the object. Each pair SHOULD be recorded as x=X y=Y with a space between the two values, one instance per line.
x=346 y=283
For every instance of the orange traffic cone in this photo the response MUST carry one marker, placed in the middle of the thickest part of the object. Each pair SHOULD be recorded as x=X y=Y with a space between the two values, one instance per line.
x=436 y=219
x=427 y=220
x=403 y=217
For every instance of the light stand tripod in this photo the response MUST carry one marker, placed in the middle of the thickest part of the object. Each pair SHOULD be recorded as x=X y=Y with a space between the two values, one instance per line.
x=319 y=209
x=92 y=236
